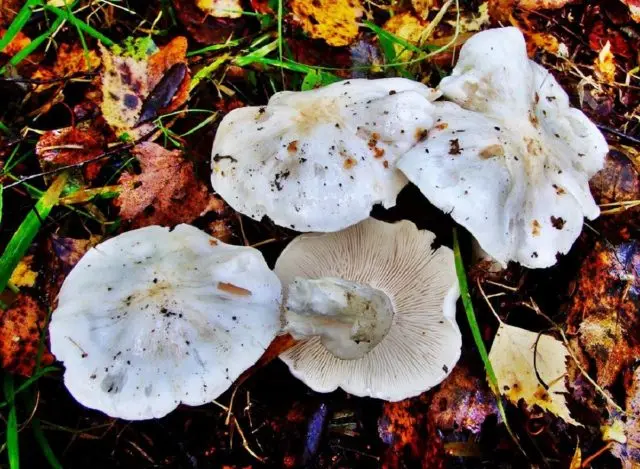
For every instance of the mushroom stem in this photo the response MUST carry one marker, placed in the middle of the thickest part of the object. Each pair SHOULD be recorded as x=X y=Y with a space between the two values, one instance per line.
x=350 y=318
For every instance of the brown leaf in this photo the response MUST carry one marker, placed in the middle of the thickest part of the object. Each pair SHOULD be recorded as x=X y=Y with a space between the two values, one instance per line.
x=221 y=8
x=19 y=42
x=205 y=28
x=72 y=145
x=72 y=59
x=634 y=9
x=605 y=308
x=335 y=21
x=20 y=328
x=410 y=434
x=501 y=10
x=8 y=10
x=165 y=193
x=463 y=401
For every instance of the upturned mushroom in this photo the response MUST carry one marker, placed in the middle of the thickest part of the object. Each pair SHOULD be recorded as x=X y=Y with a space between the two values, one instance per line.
x=319 y=160
x=509 y=158
x=374 y=309
x=155 y=317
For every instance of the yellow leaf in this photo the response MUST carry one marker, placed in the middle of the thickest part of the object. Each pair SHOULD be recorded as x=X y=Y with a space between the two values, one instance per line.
x=422 y=7
x=512 y=357
x=576 y=461
x=335 y=21
x=22 y=275
x=605 y=65
x=614 y=432
x=470 y=22
x=407 y=27
x=221 y=8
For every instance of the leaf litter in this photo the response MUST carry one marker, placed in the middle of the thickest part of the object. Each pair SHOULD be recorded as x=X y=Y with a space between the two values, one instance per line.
x=70 y=108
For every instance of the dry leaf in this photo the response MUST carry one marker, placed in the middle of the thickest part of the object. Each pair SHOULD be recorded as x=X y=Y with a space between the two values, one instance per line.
x=515 y=364
x=576 y=460
x=335 y=21
x=221 y=8
x=166 y=192
x=605 y=308
x=130 y=76
x=423 y=7
x=471 y=22
x=72 y=59
x=22 y=275
x=501 y=10
x=463 y=401
x=20 y=327
x=19 y=42
x=605 y=64
x=634 y=9
x=72 y=145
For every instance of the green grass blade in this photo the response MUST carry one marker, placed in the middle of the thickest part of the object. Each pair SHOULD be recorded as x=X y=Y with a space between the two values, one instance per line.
x=23 y=237
x=45 y=447
x=1 y=201
x=84 y=27
x=477 y=336
x=18 y=23
x=33 y=45
x=13 y=449
x=390 y=37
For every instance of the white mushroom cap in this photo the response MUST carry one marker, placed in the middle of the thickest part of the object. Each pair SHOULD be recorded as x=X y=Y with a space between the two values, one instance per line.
x=513 y=166
x=155 y=317
x=422 y=344
x=319 y=160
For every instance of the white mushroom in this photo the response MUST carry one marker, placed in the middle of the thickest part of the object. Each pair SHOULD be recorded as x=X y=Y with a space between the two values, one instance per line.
x=512 y=164
x=319 y=160
x=374 y=306
x=153 y=318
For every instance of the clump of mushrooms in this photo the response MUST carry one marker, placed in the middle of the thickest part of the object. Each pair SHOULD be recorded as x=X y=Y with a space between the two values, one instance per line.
x=319 y=160
x=155 y=317
x=374 y=306
x=509 y=158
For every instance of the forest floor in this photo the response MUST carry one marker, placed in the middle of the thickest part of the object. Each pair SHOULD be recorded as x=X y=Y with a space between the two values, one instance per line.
x=71 y=176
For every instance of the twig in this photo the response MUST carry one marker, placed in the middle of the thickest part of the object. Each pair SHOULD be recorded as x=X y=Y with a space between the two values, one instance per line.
x=618 y=133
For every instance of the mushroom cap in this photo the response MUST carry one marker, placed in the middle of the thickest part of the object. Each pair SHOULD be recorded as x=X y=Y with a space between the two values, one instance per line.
x=511 y=161
x=155 y=317
x=423 y=343
x=319 y=160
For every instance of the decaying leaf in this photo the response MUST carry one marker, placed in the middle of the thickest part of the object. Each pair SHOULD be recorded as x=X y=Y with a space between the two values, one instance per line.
x=166 y=192
x=72 y=59
x=605 y=64
x=132 y=74
x=23 y=275
x=221 y=8
x=624 y=431
x=501 y=10
x=634 y=9
x=20 y=327
x=532 y=367
x=410 y=434
x=605 y=308
x=423 y=7
x=335 y=21
x=19 y=42
x=471 y=22
x=72 y=145
x=463 y=401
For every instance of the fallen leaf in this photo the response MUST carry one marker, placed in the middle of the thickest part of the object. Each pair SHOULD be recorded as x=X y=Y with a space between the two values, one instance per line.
x=463 y=401
x=522 y=359
x=408 y=27
x=130 y=75
x=22 y=275
x=20 y=328
x=605 y=308
x=221 y=8
x=624 y=431
x=411 y=436
x=72 y=59
x=634 y=9
x=72 y=145
x=501 y=10
x=605 y=65
x=204 y=28
x=545 y=41
x=166 y=192
x=19 y=42
x=8 y=11
x=576 y=460
x=423 y=7
x=335 y=21
x=471 y=22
